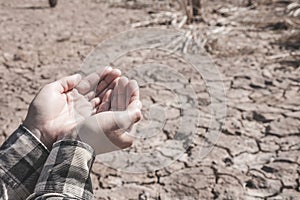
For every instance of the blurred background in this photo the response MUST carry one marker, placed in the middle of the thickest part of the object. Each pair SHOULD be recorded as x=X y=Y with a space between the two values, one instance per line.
x=254 y=43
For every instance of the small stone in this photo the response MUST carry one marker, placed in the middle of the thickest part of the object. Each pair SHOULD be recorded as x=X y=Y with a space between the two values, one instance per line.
x=266 y=73
x=257 y=82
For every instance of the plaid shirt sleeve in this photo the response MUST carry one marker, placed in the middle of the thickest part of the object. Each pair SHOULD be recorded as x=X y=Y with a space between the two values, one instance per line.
x=22 y=157
x=66 y=173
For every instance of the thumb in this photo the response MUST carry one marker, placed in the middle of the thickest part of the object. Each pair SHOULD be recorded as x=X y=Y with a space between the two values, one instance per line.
x=112 y=121
x=115 y=120
x=125 y=119
x=68 y=83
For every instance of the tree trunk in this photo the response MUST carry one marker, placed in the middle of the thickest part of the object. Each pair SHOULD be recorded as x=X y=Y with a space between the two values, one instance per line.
x=196 y=6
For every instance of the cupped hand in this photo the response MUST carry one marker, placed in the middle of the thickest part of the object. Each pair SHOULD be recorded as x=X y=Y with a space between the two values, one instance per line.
x=111 y=128
x=62 y=105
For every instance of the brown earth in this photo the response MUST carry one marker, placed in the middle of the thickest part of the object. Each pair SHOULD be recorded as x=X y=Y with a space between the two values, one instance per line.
x=256 y=46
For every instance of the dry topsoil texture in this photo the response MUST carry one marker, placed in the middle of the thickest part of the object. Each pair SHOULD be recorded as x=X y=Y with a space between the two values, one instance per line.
x=255 y=45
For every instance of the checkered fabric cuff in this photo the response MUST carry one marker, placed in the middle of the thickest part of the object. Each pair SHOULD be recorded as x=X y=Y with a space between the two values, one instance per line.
x=67 y=171
x=22 y=157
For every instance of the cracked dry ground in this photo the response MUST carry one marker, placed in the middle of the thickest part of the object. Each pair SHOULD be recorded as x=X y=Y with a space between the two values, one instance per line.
x=256 y=49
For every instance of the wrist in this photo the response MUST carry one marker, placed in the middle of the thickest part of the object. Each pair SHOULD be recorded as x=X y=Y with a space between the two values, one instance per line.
x=69 y=135
x=38 y=134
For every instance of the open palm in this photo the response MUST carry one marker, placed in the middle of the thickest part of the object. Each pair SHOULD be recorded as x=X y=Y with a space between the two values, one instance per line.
x=110 y=128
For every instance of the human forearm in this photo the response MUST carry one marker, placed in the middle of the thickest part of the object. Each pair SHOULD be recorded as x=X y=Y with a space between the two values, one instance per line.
x=21 y=159
x=66 y=173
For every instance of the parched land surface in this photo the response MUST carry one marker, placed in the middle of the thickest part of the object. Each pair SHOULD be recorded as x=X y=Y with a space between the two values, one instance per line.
x=254 y=44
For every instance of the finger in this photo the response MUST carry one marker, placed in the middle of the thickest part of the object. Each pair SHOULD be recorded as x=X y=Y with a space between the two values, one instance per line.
x=118 y=120
x=126 y=119
x=137 y=104
x=121 y=90
x=103 y=73
x=89 y=96
x=105 y=104
x=95 y=102
x=107 y=80
x=114 y=98
x=132 y=92
x=90 y=82
x=110 y=87
x=67 y=83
